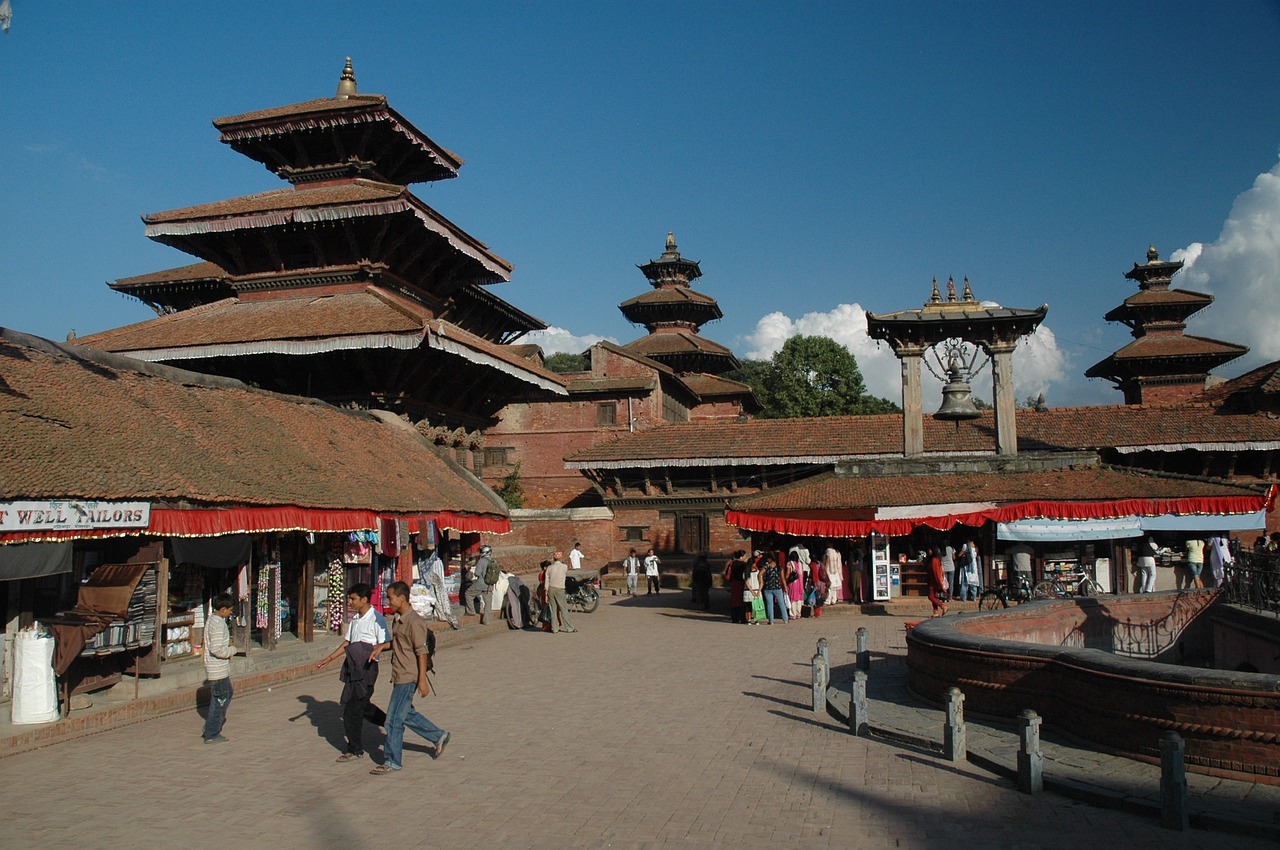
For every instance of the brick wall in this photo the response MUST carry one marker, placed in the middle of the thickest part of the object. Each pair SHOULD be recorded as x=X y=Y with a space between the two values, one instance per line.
x=1038 y=656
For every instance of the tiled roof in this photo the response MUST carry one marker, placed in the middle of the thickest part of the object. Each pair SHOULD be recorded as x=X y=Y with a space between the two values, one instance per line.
x=182 y=274
x=829 y=492
x=323 y=104
x=670 y=295
x=710 y=386
x=825 y=439
x=352 y=192
x=304 y=324
x=232 y=321
x=1160 y=297
x=1264 y=379
x=1180 y=345
x=80 y=423
x=679 y=342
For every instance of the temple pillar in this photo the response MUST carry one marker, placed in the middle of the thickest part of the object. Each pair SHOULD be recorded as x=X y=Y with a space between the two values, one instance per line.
x=912 y=401
x=1002 y=392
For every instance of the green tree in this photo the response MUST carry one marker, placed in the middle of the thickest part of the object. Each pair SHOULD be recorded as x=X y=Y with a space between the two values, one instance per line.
x=812 y=376
x=510 y=490
x=563 y=361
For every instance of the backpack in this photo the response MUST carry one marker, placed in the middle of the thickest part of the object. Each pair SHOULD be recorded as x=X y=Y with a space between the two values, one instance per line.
x=491 y=572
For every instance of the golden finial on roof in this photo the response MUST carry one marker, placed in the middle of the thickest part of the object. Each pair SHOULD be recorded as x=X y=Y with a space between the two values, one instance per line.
x=951 y=288
x=671 y=240
x=968 y=293
x=935 y=297
x=1152 y=254
x=347 y=85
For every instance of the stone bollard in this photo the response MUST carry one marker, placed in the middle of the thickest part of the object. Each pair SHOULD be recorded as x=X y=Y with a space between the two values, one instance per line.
x=824 y=649
x=819 y=679
x=864 y=654
x=954 y=745
x=1173 y=782
x=858 y=723
x=1030 y=759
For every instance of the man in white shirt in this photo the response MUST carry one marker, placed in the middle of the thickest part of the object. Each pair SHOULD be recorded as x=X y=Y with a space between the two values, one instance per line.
x=631 y=566
x=366 y=637
x=575 y=556
x=652 y=580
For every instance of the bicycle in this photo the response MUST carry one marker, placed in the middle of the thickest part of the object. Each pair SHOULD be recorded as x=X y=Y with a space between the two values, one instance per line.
x=1065 y=587
x=998 y=595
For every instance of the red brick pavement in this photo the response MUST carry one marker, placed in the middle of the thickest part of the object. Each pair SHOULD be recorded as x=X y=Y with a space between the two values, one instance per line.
x=653 y=726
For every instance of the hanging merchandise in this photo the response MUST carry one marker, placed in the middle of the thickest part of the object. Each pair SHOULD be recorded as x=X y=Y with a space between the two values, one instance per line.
x=260 y=618
x=390 y=537
x=337 y=595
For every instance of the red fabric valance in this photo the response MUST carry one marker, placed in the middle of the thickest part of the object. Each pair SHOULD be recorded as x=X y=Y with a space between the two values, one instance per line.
x=211 y=522
x=823 y=524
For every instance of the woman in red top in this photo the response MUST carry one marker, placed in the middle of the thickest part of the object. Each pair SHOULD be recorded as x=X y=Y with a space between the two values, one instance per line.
x=937 y=583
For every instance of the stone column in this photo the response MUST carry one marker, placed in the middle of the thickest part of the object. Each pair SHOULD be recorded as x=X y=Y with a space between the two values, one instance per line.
x=1002 y=392
x=912 y=401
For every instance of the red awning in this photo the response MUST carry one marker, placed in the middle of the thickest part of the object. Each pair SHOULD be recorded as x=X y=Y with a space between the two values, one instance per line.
x=201 y=522
x=830 y=524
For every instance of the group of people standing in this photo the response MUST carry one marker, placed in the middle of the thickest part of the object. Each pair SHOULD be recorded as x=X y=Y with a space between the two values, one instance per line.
x=771 y=586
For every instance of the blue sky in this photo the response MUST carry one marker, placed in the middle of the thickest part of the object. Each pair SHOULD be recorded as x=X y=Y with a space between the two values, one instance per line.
x=819 y=159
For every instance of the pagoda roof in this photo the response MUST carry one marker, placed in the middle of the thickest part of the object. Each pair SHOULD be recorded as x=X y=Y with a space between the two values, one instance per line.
x=683 y=345
x=827 y=439
x=708 y=386
x=669 y=295
x=306 y=323
x=203 y=229
x=85 y=424
x=1179 y=302
x=1197 y=352
x=331 y=136
x=195 y=272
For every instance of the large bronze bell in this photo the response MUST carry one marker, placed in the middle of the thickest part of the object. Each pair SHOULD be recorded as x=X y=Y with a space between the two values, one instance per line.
x=957 y=397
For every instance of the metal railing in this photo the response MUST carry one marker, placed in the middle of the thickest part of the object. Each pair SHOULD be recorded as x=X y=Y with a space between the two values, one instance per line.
x=1254 y=580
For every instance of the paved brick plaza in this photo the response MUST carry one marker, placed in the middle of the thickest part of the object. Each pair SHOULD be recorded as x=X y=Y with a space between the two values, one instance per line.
x=653 y=726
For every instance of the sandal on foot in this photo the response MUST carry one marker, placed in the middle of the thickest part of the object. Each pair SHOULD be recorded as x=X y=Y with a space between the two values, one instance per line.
x=346 y=757
x=383 y=770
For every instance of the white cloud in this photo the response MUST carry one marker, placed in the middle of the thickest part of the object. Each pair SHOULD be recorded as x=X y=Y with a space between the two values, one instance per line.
x=555 y=340
x=1241 y=269
x=1038 y=362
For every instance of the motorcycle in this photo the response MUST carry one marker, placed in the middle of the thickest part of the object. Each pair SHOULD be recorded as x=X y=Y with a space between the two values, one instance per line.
x=581 y=592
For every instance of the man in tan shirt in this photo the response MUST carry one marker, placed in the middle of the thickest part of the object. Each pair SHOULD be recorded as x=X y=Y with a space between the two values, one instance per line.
x=408 y=673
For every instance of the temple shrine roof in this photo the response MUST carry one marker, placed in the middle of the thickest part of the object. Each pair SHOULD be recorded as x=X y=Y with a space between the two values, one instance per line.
x=956 y=317
x=369 y=317
x=829 y=491
x=694 y=353
x=81 y=423
x=204 y=229
x=346 y=135
x=1126 y=428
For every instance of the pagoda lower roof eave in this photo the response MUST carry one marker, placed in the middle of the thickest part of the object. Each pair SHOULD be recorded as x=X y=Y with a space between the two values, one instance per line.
x=437 y=224
x=401 y=342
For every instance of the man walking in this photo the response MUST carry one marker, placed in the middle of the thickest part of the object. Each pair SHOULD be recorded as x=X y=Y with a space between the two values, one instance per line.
x=366 y=638
x=575 y=556
x=631 y=566
x=651 y=577
x=556 y=601
x=408 y=673
x=217 y=667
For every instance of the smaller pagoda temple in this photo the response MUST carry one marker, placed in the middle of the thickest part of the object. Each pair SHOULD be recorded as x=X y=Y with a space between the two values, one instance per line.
x=1163 y=364
x=673 y=313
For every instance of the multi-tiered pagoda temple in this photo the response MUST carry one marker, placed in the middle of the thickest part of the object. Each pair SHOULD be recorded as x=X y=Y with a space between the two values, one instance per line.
x=344 y=285
x=1163 y=364
x=673 y=313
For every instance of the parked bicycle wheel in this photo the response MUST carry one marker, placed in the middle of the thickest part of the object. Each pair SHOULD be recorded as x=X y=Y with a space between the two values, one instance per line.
x=1044 y=589
x=1088 y=587
x=992 y=600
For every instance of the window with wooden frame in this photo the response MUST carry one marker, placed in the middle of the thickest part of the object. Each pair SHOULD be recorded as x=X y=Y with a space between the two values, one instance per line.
x=606 y=414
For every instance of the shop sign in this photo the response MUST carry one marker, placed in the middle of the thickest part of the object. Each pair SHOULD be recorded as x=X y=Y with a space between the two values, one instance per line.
x=73 y=515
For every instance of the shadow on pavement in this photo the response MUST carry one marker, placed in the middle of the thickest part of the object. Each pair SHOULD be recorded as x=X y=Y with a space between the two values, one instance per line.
x=326 y=717
x=778 y=700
